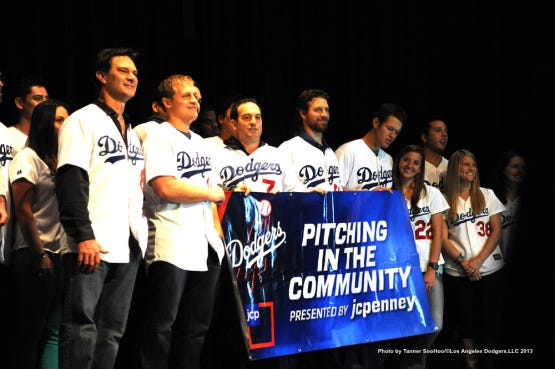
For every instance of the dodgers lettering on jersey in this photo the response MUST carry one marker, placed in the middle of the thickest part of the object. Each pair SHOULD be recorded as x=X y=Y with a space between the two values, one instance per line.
x=135 y=153
x=233 y=175
x=469 y=216
x=313 y=176
x=370 y=179
x=439 y=185
x=6 y=154
x=114 y=148
x=190 y=166
x=111 y=146
x=417 y=212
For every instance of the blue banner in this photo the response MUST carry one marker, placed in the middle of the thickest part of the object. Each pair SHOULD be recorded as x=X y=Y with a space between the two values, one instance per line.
x=322 y=271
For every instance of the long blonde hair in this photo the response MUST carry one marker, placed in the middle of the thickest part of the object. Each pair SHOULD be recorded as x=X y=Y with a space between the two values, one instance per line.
x=452 y=187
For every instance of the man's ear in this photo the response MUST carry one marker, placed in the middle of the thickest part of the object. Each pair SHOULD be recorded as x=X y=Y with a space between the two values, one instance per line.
x=18 y=103
x=101 y=76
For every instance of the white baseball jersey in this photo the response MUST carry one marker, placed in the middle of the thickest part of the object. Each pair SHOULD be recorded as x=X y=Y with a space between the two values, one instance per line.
x=471 y=232
x=509 y=222
x=17 y=138
x=264 y=170
x=214 y=142
x=143 y=129
x=435 y=176
x=90 y=140
x=421 y=220
x=6 y=156
x=314 y=166
x=361 y=168
x=179 y=233
x=26 y=164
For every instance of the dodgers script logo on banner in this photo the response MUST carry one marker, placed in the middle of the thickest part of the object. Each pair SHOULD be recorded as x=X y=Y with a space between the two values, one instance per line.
x=321 y=271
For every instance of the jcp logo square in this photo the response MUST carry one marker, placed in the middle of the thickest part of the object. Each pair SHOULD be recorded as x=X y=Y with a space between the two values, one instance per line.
x=252 y=315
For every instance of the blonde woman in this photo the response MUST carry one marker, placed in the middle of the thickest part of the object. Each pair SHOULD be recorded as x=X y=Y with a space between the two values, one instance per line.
x=473 y=268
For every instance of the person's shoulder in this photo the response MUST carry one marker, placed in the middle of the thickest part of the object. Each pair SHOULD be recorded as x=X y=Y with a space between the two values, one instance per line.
x=384 y=154
x=195 y=137
x=488 y=192
x=290 y=141
x=213 y=139
x=432 y=191
x=265 y=149
x=349 y=145
x=90 y=111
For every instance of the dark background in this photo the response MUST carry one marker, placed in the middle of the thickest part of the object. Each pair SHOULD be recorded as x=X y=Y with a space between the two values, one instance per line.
x=486 y=66
x=483 y=65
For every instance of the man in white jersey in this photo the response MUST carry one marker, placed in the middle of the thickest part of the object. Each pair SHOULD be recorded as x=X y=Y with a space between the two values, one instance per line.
x=185 y=247
x=247 y=162
x=363 y=163
x=434 y=139
x=311 y=157
x=98 y=184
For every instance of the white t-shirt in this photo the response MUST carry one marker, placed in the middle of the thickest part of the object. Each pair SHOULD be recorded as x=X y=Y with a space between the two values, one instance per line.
x=89 y=139
x=361 y=168
x=26 y=164
x=179 y=233
x=432 y=203
x=314 y=167
x=471 y=232
x=17 y=138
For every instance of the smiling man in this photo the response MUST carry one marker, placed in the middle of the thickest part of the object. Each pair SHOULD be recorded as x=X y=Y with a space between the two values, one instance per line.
x=98 y=184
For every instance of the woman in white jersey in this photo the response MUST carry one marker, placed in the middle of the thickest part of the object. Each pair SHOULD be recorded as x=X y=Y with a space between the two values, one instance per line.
x=473 y=261
x=426 y=205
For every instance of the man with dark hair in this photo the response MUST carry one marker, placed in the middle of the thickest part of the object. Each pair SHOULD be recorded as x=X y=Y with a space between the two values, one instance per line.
x=434 y=139
x=29 y=92
x=363 y=162
x=99 y=189
x=312 y=158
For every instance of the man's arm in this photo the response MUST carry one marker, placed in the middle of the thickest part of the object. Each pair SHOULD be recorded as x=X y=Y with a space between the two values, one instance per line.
x=72 y=190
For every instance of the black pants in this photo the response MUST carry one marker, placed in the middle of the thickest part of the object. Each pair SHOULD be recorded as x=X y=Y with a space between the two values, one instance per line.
x=36 y=299
x=178 y=312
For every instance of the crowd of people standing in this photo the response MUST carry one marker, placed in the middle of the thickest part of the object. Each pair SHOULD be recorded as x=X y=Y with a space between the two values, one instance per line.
x=100 y=217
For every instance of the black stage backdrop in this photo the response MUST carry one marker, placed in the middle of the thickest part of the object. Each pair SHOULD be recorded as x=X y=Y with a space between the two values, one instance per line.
x=483 y=65
x=486 y=66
